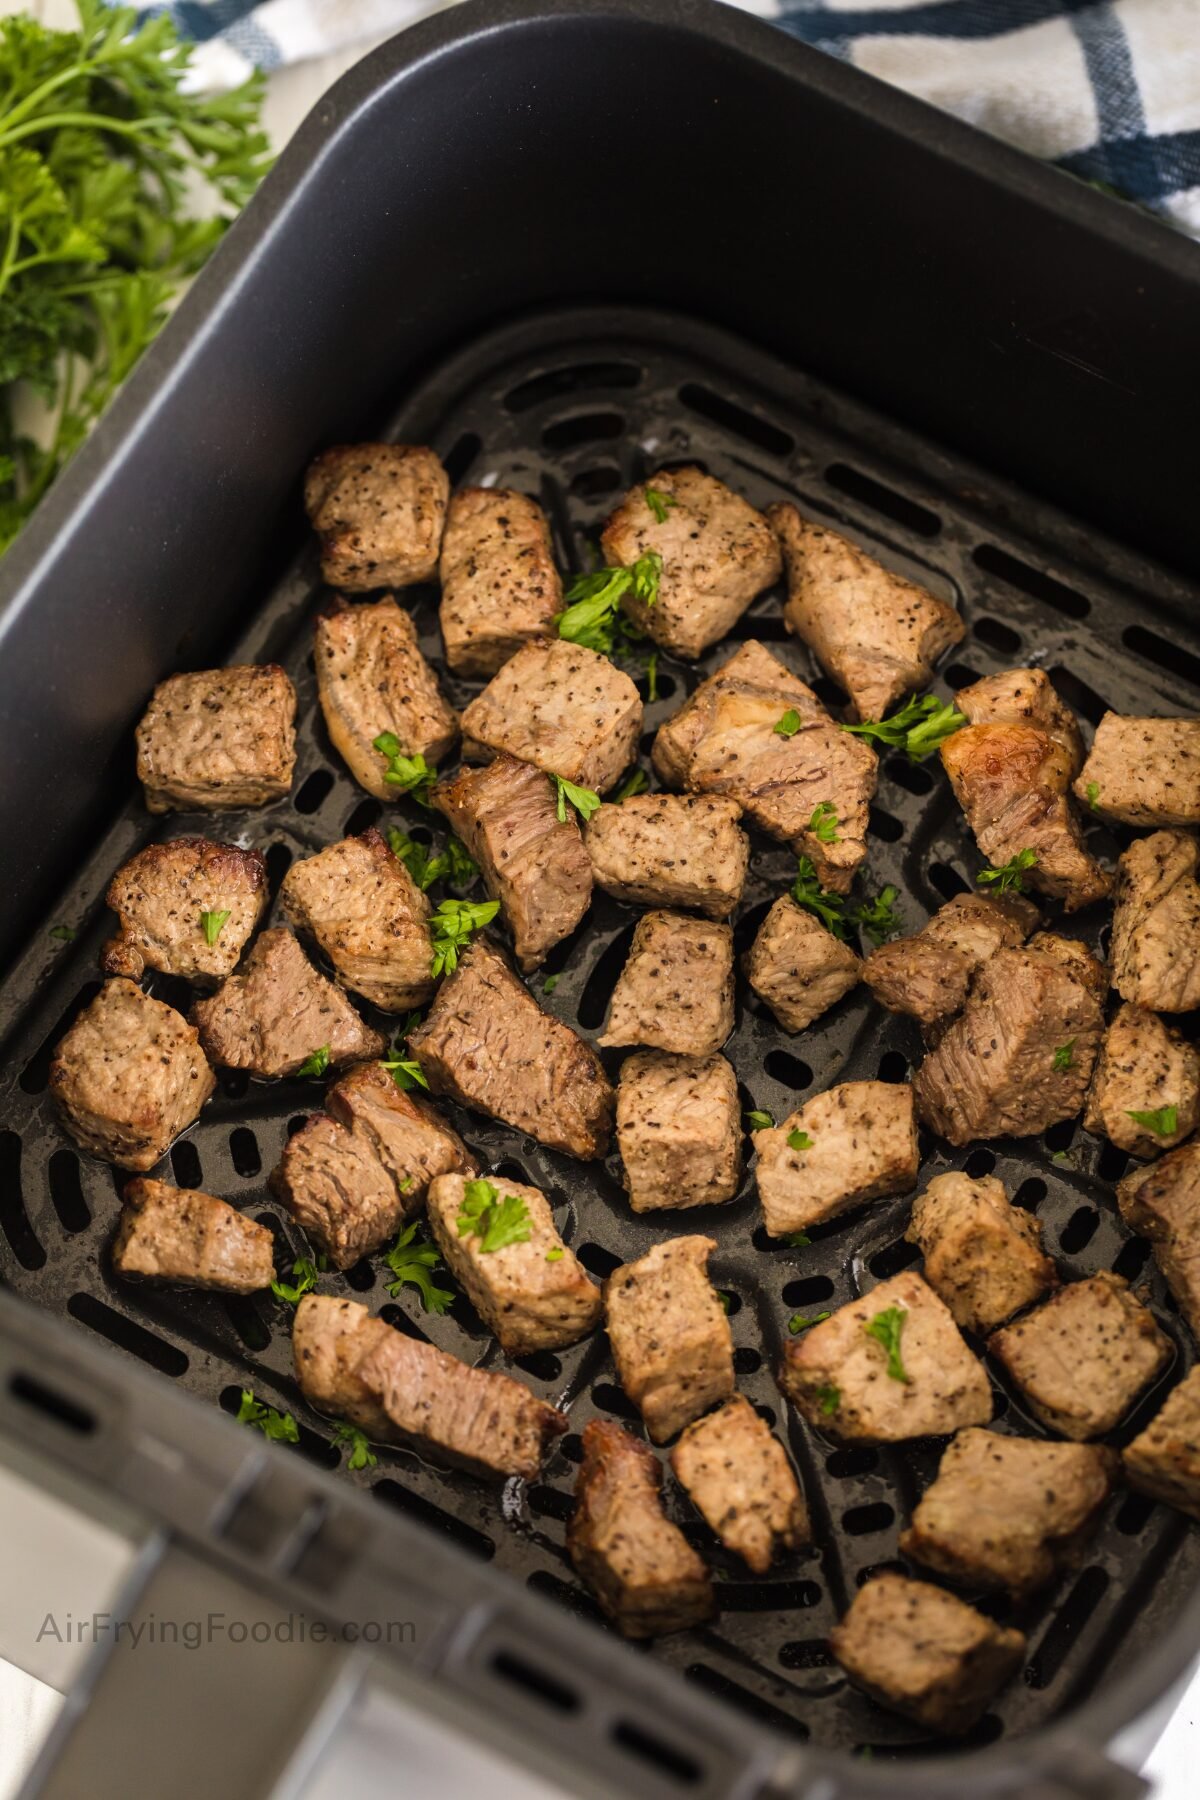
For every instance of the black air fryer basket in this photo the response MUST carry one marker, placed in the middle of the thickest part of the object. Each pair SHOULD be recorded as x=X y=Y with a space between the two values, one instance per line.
x=563 y=245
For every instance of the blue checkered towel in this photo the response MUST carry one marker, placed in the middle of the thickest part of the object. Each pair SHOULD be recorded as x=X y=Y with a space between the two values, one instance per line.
x=1109 y=91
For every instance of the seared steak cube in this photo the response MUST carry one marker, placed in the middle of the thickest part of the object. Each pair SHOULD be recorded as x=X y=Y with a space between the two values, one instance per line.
x=798 y=967
x=877 y=634
x=279 y=1013
x=218 y=739
x=890 y=1366
x=129 y=1076
x=1010 y=1512
x=407 y=1135
x=336 y=1188
x=181 y=1235
x=738 y=1477
x=1143 y=771
x=929 y=974
x=370 y=918
x=855 y=1142
x=562 y=707
x=533 y=862
x=378 y=510
x=373 y=682
x=676 y=989
x=487 y=1044
x=669 y=1335
x=922 y=1652
x=1144 y=1067
x=678 y=1130
x=640 y=1567
x=1024 y=697
x=1082 y=1358
x=500 y=587
x=1163 y=1204
x=171 y=899
x=530 y=1289
x=1155 y=954
x=329 y=1339
x=983 y=1255
x=1164 y=1460
x=683 y=850
x=717 y=554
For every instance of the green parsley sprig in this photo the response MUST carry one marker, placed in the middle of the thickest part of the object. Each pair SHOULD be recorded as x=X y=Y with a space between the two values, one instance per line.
x=829 y=1398
x=361 y=1454
x=886 y=1328
x=799 y=1140
x=212 y=924
x=316 y=1064
x=824 y=823
x=760 y=1121
x=1011 y=877
x=878 y=918
x=452 y=926
x=582 y=799
x=798 y=1322
x=1093 y=794
x=454 y=864
x=408 y=774
x=1064 y=1056
x=279 y=1426
x=789 y=724
x=637 y=783
x=590 y=614
x=1163 y=1121
x=412 y=1261
x=660 y=503
x=494 y=1221
x=808 y=893
x=305 y=1272
x=405 y=1071
x=920 y=727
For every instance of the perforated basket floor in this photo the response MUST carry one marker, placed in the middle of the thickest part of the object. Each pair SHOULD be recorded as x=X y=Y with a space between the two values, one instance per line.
x=574 y=408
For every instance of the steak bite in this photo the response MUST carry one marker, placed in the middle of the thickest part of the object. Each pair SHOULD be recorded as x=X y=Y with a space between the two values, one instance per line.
x=875 y=633
x=181 y=1235
x=329 y=1339
x=683 y=850
x=487 y=1044
x=640 y=1567
x=924 y=1653
x=279 y=1012
x=1023 y=697
x=1082 y=1358
x=854 y=1142
x=678 y=1130
x=405 y=1133
x=500 y=587
x=369 y=917
x=170 y=899
x=338 y=1191
x=798 y=967
x=530 y=1290
x=532 y=862
x=676 y=989
x=1164 y=1460
x=739 y=1479
x=1162 y=1203
x=928 y=974
x=566 y=709
x=1155 y=953
x=1144 y=1067
x=723 y=741
x=983 y=1255
x=372 y=681
x=378 y=510
x=218 y=739
x=842 y=1378
x=1143 y=771
x=1018 y=1058
x=670 y=1338
x=717 y=555
x=129 y=1076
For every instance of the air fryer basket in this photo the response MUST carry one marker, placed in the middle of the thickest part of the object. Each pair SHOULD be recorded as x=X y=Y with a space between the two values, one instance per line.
x=573 y=407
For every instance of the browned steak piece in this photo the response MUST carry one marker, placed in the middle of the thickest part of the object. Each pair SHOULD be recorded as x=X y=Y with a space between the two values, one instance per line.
x=1162 y=1203
x=476 y=1419
x=218 y=739
x=170 y=899
x=877 y=634
x=562 y=707
x=500 y=587
x=336 y=1188
x=640 y=1567
x=487 y=1043
x=798 y=967
x=1155 y=954
x=378 y=510
x=855 y=1142
x=407 y=1135
x=1144 y=1067
x=928 y=974
x=329 y=1339
x=683 y=850
x=1010 y=1512
x=530 y=1290
x=983 y=1255
x=738 y=1477
x=669 y=1334
x=723 y=741
x=843 y=1380
x=922 y=1652
x=678 y=1130
x=717 y=554
x=371 y=680
x=279 y=1012
x=1023 y=697
x=1164 y=1460
x=1082 y=1358
x=533 y=862
x=1143 y=771
x=129 y=1076
x=181 y=1235
x=676 y=989
x=365 y=911
x=1075 y=958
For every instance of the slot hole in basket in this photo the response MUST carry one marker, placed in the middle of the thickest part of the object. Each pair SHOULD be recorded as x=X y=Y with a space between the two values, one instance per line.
x=1030 y=1194
x=126 y=1335
x=893 y=1067
x=66 y=1191
x=597 y=990
x=368 y=812
x=895 y=1257
x=1132 y=1258
x=524 y=1675
x=782 y=1066
x=243 y=1315
x=584 y=428
x=862 y=1521
x=314 y=791
x=609 y=1398
x=550 y=1503
x=912 y=777
x=959 y=675
x=36 y=1073
x=883 y=499
x=979 y=1163
x=417 y=1507
x=279 y=861
x=597 y=1260
x=244 y=1152
x=571 y=379
x=998 y=637
x=849 y=1465
x=1034 y=582
x=22 y=1239
x=637 y=1741
x=1078 y=695
x=884 y=826
x=1112 y=1162
x=593 y=484
x=33 y=1393
x=1066 y=1627
x=1171 y=657
x=185 y=1165
x=808 y=1291
x=727 y=413
x=461 y=456
x=713 y=1682
x=1079 y=1230
x=947 y=881
x=1133 y=1515
x=806 y=1653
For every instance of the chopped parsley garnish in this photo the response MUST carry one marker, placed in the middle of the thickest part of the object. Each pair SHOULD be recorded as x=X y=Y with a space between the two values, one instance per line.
x=411 y=774
x=589 y=616
x=790 y=723
x=452 y=925
x=798 y=1323
x=453 y=864
x=405 y=1071
x=555 y=1255
x=361 y=1454
x=824 y=822
x=1163 y=1123
x=725 y=1299
x=799 y=1140
x=412 y=1262
x=1093 y=794
x=581 y=798
x=550 y=983
x=64 y=933
x=1011 y=876
x=495 y=1222
x=886 y=1328
x=829 y=1399
x=808 y=893
x=277 y=1425
x=1064 y=1056
x=305 y=1271
x=660 y=503
x=637 y=783
x=797 y=1240
x=212 y=924
x=920 y=727
x=760 y=1121
x=316 y=1064
x=878 y=917
x=652 y=676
